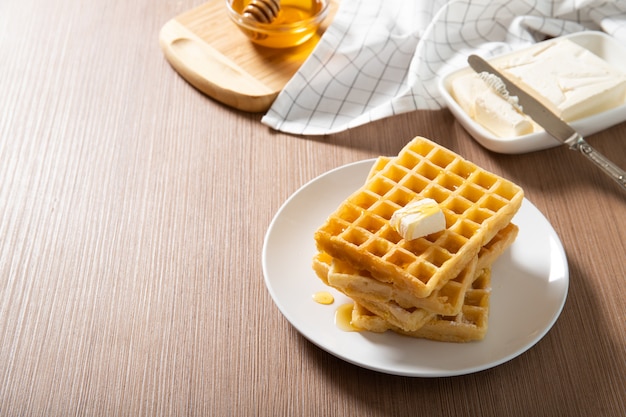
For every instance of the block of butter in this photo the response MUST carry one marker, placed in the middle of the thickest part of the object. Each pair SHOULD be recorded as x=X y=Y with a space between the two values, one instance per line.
x=570 y=80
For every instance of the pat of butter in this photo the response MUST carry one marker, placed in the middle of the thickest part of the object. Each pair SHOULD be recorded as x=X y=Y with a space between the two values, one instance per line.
x=418 y=218
x=570 y=80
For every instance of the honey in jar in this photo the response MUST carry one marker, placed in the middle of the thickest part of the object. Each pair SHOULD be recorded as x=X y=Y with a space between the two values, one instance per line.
x=295 y=23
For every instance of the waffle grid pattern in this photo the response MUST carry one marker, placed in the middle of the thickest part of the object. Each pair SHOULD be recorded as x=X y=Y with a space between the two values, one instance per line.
x=446 y=301
x=402 y=311
x=475 y=202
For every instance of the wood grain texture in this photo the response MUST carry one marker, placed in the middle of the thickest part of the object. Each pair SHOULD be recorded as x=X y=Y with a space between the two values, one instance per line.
x=132 y=216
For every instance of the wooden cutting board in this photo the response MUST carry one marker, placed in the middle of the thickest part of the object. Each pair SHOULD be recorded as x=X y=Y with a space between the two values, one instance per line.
x=208 y=50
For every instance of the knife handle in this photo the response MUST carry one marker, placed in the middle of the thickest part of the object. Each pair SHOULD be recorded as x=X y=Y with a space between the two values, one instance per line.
x=609 y=168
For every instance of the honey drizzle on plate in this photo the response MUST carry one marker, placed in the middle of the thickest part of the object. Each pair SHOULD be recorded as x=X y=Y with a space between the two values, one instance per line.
x=323 y=297
x=343 y=318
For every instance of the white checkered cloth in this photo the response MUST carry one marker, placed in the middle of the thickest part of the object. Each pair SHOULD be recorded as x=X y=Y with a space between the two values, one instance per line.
x=380 y=58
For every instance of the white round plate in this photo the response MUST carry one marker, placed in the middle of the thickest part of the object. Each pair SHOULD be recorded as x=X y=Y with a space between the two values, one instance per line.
x=529 y=287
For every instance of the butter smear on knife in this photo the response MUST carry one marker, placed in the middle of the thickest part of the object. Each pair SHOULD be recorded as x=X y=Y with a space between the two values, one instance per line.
x=567 y=78
x=418 y=218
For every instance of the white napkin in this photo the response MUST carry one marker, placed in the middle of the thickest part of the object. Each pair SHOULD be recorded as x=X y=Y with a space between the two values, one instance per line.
x=380 y=58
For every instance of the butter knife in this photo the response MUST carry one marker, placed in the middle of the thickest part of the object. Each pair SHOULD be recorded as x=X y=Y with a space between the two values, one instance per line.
x=550 y=122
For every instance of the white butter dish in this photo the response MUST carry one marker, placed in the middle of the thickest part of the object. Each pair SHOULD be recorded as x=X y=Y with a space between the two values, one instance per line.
x=599 y=43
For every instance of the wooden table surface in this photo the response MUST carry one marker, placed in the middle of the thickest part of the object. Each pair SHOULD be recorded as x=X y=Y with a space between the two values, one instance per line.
x=132 y=216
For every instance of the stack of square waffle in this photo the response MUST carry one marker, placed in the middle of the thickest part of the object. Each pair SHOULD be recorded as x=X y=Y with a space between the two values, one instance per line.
x=436 y=286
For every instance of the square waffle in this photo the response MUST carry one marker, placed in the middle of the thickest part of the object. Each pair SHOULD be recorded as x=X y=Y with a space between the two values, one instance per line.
x=402 y=310
x=476 y=204
x=469 y=325
x=447 y=300
x=360 y=287
x=385 y=300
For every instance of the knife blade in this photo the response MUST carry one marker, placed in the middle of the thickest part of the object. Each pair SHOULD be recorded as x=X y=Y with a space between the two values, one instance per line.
x=553 y=124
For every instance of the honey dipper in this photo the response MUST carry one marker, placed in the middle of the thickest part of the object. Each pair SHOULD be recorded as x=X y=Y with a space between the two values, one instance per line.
x=263 y=11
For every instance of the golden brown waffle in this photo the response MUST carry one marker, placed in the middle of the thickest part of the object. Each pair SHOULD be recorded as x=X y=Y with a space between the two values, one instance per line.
x=447 y=300
x=402 y=317
x=379 y=164
x=475 y=202
x=403 y=310
x=397 y=317
x=361 y=287
x=355 y=284
x=496 y=246
x=469 y=325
